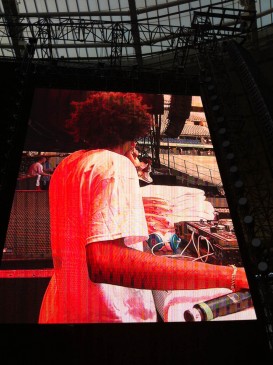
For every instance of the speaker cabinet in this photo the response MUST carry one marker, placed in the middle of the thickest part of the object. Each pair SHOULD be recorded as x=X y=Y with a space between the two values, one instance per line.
x=28 y=234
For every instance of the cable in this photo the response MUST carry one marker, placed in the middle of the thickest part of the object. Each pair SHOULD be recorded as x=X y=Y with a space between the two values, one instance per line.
x=196 y=247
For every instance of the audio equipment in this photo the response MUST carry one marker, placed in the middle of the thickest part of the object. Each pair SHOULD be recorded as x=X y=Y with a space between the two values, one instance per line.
x=179 y=112
x=168 y=242
x=223 y=213
x=28 y=233
x=221 y=236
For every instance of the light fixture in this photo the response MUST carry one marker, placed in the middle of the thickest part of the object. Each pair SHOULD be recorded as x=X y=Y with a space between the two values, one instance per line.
x=248 y=219
x=262 y=266
x=216 y=107
x=242 y=201
x=222 y=131
x=256 y=242
x=225 y=143
x=238 y=183
x=233 y=169
x=230 y=156
x=220 y=120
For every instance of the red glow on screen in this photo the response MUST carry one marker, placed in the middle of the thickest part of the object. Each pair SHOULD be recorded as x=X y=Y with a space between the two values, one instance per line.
x=117 y=239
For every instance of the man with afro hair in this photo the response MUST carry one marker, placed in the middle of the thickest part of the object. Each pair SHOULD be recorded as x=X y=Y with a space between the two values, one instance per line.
x=98 y=225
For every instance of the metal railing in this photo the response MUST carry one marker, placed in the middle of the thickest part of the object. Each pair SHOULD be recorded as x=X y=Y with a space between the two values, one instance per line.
x=203 y=173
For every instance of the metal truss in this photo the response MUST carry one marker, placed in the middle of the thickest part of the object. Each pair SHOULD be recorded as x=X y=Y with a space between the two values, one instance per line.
x=222 y=23
x=116 y=45
x=53 y=33
x=81 y=32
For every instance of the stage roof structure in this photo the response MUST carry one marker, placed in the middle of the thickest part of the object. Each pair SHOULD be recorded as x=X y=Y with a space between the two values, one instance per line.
x=156 y=34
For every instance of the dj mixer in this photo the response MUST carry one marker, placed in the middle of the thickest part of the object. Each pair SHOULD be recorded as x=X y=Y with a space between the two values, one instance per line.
x=219 y=235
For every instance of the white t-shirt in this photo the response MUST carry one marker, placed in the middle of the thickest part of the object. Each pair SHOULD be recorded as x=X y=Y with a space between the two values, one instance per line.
x=94 y=196
x=36 y=169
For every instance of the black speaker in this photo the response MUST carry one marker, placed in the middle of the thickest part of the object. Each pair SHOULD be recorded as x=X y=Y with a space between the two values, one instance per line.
x=179 y=112
x=28 y=234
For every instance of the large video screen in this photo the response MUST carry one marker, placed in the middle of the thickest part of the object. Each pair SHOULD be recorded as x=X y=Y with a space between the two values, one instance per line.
x=120 y=212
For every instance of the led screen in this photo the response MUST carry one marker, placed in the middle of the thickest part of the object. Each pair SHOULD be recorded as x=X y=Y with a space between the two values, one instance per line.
x=172 y=215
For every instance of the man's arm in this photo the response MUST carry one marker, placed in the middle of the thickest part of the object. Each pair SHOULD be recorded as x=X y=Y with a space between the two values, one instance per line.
x=40 y=171
x=114 y=263
x=45 y=174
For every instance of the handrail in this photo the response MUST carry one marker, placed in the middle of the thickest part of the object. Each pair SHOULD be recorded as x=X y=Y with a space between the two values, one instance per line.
x=201 y=172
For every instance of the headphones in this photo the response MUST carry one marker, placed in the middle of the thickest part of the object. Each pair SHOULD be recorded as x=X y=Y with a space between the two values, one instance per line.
x=169 y=242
